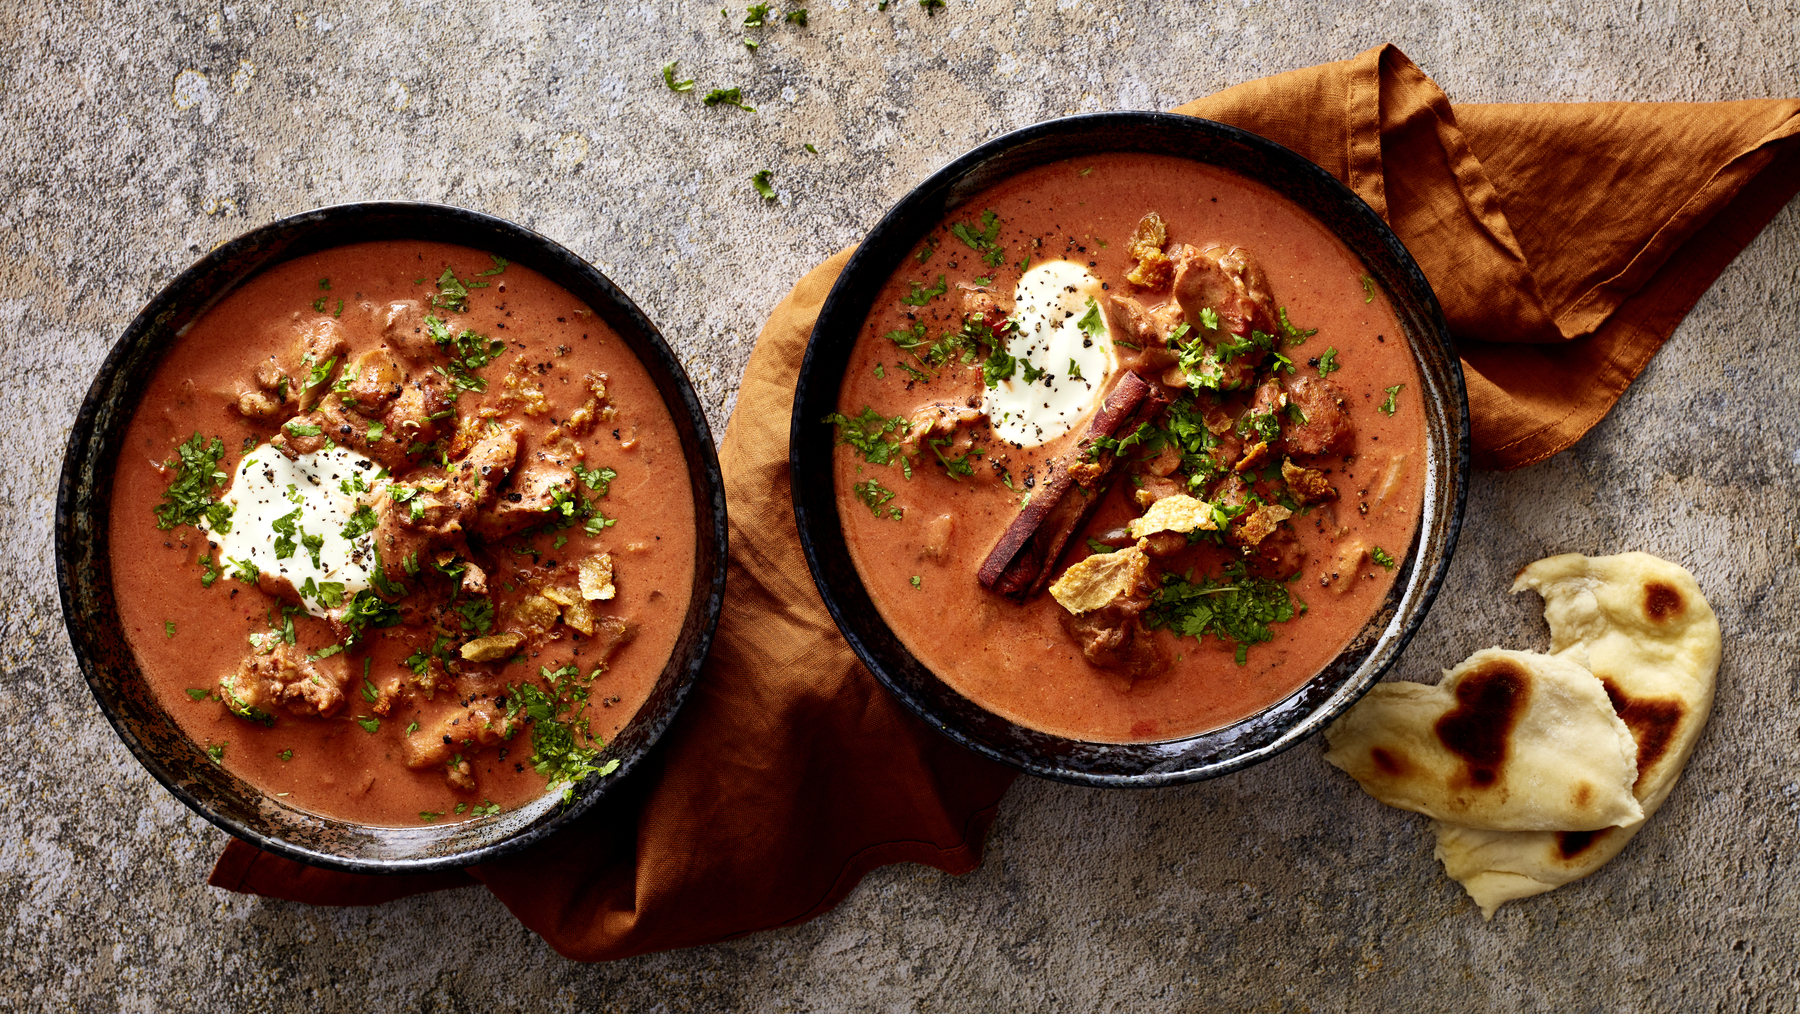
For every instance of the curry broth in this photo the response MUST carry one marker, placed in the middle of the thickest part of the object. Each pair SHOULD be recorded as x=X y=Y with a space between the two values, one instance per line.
x=336 y=767
x=1015 y=659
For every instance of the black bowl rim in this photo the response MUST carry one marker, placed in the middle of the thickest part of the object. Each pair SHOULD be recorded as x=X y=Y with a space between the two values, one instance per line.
x=708 y=588
x=942 y=182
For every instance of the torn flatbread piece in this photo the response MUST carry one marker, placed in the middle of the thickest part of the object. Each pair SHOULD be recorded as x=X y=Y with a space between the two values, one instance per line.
x=1509 y=740
x=1094 y=582
x=1642 y=627
x=1178 y=513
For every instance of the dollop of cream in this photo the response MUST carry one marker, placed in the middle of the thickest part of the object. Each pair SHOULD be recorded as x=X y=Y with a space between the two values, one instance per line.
x=315 y=494
x=1053 y=299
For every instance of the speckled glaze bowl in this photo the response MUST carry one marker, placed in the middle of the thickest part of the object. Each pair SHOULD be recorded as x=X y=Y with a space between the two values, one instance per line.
x=1325 y=695
x=84 y=572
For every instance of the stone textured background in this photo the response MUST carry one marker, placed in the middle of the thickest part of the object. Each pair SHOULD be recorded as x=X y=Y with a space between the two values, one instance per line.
x=138 y=136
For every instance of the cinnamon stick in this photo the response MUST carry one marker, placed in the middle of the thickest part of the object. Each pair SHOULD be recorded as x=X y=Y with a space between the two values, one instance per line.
x=1021 y=563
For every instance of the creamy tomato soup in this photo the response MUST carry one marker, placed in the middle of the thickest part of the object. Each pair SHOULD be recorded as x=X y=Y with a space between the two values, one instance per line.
x=402 y=533
x=1129 y=449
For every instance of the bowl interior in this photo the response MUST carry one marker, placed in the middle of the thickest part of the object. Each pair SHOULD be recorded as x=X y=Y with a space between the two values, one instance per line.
x=84 y=572
x=1321 y=698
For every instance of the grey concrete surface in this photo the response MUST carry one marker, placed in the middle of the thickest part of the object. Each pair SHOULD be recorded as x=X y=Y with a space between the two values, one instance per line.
x=138 y=136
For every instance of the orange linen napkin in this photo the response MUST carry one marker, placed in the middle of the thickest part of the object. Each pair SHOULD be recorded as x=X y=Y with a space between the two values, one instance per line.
x=1565 y=241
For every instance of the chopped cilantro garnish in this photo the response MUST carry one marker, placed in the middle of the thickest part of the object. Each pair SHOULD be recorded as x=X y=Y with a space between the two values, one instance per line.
x=1092 y=322
x=209 y=571
x=598 y=522
x=477 y=615
x=728 y=97
x=931 y=7
x=217 y=752
x=169 y=627
x=1294 y=335
x=313 y=544
x=674 y=85
x=909 y=339
x=867 y=433
x=1237 y=609
x=554 y=751
x=197 y=477
x=452 y=293
x=984 y=242
x=873 y=496
x=755 y=15
x=244 y=570
x=1368 y=285
x=1097 y=547
x=366 y=609
x=430 y=815
x=299 y=429
x=598 y=480
x=286 y=755
x=196 y=694
x=917 y=581
x=285 y=530
x=499 y=267
x=920 y=295
x=1328 y=363
x=958 y=466
x=760 y=181
x=926 y=251
x=1381 y=556
x=360 y=524
x=1075 y=371
x=879 y=372
x=1000 y=365
x=370 y=725
x=1392 y=404
x=797 y=16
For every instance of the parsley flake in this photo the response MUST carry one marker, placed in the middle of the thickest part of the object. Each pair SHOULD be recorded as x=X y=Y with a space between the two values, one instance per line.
x=760 y=181
x=197 y=478
x=727 y=97
x=1392 y=404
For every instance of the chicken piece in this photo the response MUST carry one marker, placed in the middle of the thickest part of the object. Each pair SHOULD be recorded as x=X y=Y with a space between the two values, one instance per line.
x=374 y=381
x=1309 y=485
x=288 y=679
x=980 y=307
x=417 y=416
x=1278 y=556
x=534 y=492
x=1345 y=566
x=482 y=722
x=939 y=420
x=1147 y=328
x=1324 y=425
x=1230 y=285
x=477 y=478
x=303 y=434
x=402 y=326
x=610 y=634
x=411 y=523
x=252 y=403
x=1110 y=632
x=1154 y=269
x=320 y=341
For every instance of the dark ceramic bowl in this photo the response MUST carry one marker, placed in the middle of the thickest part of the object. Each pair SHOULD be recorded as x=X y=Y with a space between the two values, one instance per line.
x=1323 y=697
x=84 y=572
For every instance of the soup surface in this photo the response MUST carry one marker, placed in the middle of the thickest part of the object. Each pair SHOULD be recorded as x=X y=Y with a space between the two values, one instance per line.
x=402 y=533
x=1129 y=449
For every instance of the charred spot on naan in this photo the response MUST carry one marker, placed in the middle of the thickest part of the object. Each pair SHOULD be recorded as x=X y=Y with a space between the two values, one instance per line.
x=1653 y=722
x=1570 y=844
x=1488 y=704
x=1662 y=603
x=1388 y=761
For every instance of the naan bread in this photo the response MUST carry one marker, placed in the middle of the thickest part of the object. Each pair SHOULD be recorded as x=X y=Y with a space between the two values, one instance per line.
x=1641 y=625
x=1509 y=741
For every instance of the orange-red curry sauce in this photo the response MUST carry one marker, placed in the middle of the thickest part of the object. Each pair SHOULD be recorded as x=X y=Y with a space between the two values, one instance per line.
x=1016 y=660
x=334 y=766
